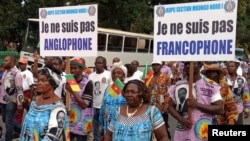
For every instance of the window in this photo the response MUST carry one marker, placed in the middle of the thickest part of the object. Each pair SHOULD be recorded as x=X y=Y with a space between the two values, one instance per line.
x=32 y=36
x=143 y=45
x=151 y=46
x=130 y=44
x=102 y=41
x=115 y=43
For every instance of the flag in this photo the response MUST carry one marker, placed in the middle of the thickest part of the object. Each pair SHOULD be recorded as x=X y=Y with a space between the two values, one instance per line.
x=116 y=88
x=147 y=75
x=72 y=82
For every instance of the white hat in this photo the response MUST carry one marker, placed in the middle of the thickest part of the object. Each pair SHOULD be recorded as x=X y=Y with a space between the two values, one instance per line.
x=119 y=65
x=157 y=62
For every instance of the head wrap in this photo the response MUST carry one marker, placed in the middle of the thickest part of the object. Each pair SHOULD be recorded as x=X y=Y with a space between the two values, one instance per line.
x=78 y=62
x=119 y=65
x=52 y=74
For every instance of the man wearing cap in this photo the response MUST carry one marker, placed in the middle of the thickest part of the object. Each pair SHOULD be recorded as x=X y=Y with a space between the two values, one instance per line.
x=11 y=96
x=230 y=113
x=28 y=82
x=158 y=86
x=81 y=103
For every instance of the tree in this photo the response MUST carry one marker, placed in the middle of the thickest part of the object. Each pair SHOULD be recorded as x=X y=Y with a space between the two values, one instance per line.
x=243 y=26
x=11 y=23
x=14 y=15
x=128 y=15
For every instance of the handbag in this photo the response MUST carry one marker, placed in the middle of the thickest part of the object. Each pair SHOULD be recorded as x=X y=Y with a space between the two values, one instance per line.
x=153 y=138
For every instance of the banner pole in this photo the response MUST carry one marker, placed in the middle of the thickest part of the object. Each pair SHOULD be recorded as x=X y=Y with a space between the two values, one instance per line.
x=190 y=82
x=67 y=93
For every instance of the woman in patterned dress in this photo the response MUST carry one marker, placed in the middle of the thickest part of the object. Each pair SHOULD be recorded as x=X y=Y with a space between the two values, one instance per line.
x=133 y=120
x=112 y=102
x=47 y=118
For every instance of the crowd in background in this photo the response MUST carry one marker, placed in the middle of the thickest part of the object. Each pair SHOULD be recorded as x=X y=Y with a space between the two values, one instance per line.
x=120 y=102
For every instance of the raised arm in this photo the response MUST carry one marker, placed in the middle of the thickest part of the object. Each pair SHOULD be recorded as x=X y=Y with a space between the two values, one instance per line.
x=35 y=65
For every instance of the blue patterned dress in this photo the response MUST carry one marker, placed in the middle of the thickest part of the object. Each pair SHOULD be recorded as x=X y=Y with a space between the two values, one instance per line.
x=109 y=108
x=45 y=123
x=137 y=128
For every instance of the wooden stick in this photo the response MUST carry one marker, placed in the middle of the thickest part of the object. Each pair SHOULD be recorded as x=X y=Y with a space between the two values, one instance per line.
x=190 y=95
x=67 y=93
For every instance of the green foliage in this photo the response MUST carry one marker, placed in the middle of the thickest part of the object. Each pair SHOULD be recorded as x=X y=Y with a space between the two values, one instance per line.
x=243 y=26
x=14 y=15
x=128 y=15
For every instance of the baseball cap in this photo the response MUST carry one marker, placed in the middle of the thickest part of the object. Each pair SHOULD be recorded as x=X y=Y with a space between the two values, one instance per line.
x=23 y=61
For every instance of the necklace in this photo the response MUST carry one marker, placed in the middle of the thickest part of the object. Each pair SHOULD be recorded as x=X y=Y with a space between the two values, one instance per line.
x=45 y=98
x=131 y=114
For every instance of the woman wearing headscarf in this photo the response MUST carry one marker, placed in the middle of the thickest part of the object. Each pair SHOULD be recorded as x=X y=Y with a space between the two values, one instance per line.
x=111 y=102
x=47 y=117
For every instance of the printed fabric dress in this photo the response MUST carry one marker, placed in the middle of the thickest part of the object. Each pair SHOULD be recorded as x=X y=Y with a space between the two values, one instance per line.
x=46 y=123
x=241 y=93
x=205 y=91
x=137 y=128
x=109 y=108
x=80 y=121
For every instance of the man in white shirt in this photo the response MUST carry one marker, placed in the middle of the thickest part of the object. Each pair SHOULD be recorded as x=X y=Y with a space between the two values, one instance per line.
x=28 y=86
x=137 y=73
x=101 y=79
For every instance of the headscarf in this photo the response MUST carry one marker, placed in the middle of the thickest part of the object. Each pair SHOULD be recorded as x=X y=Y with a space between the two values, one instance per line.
x=52 y=74
x=78 y=62
x=122 y=67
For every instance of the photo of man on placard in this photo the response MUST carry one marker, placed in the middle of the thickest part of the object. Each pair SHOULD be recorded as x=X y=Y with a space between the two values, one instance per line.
x=239 y=91
x=182 y=106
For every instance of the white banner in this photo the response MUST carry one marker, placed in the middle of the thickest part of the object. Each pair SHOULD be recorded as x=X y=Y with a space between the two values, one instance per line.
x=68 y=31
x=201 y=31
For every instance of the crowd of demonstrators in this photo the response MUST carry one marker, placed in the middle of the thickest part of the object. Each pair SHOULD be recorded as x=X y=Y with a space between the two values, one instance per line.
x=220 y=96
